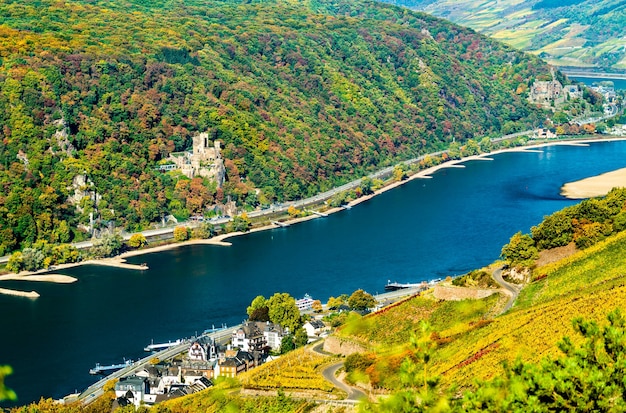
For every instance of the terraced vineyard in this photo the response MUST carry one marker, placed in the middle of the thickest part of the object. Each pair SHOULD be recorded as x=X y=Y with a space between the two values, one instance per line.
x=581 y=33
x=297 y=370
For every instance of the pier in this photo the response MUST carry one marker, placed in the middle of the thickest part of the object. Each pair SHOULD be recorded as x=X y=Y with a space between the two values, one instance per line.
x=95 y=390
x=319 y=214
x=110 y=368
x=161 y=346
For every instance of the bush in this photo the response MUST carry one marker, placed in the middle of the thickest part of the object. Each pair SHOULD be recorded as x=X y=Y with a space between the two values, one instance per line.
x=520 y=250
x=358 y=361
x=181 y=234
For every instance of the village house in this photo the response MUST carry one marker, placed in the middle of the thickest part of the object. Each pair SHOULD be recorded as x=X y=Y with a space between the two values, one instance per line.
x=132 y=388
x=249 y=337
x=202 y=349
x=545 y=133
x=608 y=92
x=274 y=334
x=314 y=328
x=235 y=362
x=573 y=91
x=259 y=336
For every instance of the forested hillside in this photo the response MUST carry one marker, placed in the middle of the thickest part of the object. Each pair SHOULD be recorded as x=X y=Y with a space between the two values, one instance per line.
x=302 y=97
x=585 y=33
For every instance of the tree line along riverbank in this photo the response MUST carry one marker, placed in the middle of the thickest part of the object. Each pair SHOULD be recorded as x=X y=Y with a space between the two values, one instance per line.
x=113 y=249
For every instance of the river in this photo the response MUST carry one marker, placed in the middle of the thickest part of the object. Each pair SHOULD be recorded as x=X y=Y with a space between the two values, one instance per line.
x=450 y=224
x=589 y=81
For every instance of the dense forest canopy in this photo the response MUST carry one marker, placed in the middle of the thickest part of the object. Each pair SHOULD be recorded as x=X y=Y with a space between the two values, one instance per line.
x=302 y=97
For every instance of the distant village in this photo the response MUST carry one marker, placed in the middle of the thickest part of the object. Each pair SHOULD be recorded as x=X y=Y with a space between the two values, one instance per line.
x=249 y=346
x=553 y=95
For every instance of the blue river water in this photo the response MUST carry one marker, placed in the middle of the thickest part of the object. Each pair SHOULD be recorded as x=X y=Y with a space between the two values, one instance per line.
x=428 y=228
x=590 y=81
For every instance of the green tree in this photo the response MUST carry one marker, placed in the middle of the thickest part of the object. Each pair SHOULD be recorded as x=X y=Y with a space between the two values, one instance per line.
x=283 y=311
x=486 y=145
x=360 y=300
x=334 y=303
x=5 y=392
x=240 y=223
x=16 y=262
x=470 y=148
x=556 y=230
x=366 y=185
x=32 y=259
x=454 y=150
x=206 y=230
x=521 y=249
x=287 y=344
x=300 y=339
x=137 y=240
x=260 y=314
x=258 y=302
x=108 y=245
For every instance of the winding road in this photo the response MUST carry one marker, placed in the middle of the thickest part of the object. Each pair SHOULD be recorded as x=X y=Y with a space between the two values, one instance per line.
x=512 y=290
x=330 y=372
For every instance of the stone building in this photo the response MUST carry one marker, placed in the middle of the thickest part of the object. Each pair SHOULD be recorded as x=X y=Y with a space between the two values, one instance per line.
x=546 y=92
x=204 y=160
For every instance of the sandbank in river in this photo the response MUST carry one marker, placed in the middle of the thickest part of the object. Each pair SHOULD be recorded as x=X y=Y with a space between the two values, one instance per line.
x=599 y=185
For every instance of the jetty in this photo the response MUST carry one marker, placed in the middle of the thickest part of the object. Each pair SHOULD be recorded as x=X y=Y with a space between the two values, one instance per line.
x=161 y=346
x=280 y=224
x=214 y=329
x=99 y=369
x=319 y=214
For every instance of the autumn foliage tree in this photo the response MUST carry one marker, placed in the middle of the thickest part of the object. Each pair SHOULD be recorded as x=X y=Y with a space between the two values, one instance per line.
x=181 y=234
x=137 y=240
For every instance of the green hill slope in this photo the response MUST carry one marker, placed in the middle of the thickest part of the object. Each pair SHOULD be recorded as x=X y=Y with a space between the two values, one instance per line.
x=302 y=96
x=470 y=344
x=581 y=33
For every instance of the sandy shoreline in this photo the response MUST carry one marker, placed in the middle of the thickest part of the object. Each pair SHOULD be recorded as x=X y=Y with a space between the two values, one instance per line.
x=599 y=185
x=120 y=261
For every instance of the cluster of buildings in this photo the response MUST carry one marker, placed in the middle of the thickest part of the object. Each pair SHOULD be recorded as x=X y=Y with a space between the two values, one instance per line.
x=552 y=93
x=250 y=346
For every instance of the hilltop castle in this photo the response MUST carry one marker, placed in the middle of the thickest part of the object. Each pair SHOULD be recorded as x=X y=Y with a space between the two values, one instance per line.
x=204 y=160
